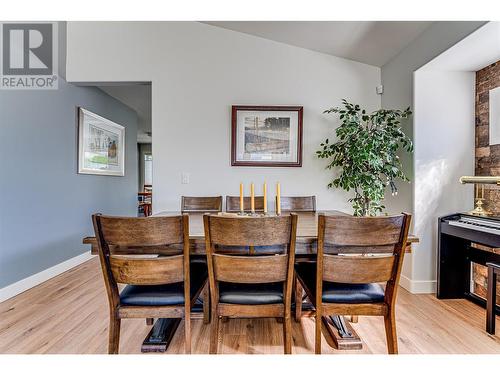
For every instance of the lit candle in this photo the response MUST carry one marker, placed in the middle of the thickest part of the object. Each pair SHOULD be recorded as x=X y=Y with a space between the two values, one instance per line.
x=252 y=197
x=241 y=197
x=278 y=199
x=265 y=198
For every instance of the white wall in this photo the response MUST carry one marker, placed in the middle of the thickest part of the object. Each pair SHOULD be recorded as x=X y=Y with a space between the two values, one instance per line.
x=198 y=71
x=444 y=138
x=397 y=78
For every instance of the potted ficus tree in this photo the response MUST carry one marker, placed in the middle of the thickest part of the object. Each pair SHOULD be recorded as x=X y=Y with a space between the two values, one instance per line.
x=364 y=157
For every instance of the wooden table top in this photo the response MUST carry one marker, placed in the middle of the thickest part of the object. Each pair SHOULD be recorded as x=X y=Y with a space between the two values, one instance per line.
x=307 y=233
x=307 y=224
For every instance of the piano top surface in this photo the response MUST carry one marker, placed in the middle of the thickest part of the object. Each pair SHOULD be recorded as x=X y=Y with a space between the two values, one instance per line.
x=486 y=217
x=466 y=214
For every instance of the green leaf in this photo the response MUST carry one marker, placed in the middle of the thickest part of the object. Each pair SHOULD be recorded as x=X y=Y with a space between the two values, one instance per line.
x=364 y=157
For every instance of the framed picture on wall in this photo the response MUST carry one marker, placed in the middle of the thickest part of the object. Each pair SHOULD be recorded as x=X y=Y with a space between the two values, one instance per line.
x=101 y=145
x=266 y=136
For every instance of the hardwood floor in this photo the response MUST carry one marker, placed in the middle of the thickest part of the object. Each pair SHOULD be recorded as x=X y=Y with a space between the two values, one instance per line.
x=69 y=314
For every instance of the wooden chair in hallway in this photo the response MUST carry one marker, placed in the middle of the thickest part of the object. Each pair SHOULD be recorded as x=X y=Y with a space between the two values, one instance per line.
x=297 y=204
x=251 y=285
x=201 y=204
x=158 y=287
x=233 y=204
x=341 y=283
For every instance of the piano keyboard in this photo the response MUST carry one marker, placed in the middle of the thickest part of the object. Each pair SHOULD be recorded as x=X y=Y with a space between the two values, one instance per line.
x=482 y=225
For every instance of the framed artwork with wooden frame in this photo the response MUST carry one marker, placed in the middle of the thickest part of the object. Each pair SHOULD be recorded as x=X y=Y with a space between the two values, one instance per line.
x=101 y=145
x=266 y=136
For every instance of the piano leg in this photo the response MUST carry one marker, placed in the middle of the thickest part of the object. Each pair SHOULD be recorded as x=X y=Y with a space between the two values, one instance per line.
x=452 y=270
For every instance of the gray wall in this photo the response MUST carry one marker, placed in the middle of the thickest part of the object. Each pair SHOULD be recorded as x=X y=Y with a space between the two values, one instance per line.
x=46 y=206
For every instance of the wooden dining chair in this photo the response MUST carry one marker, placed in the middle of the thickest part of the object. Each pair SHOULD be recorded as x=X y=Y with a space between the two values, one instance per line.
x=201 y=204
x=145 y=202
x=297 y=204
x=233 y=204
x=256 y=285
x=157 y=287
x=340 y=283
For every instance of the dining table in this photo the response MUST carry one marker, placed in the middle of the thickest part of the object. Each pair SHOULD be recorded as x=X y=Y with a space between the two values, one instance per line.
x=342 y=333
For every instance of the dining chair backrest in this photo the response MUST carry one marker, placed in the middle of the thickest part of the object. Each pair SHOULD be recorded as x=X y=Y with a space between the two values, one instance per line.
x=252 y=232
x=384 y=238
x=297 y=204
x=131 y=235
x=201 y=204
x=233 y=203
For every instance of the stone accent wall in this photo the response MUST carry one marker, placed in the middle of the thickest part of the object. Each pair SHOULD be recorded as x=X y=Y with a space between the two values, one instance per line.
x=487 y=162
x=487 y=157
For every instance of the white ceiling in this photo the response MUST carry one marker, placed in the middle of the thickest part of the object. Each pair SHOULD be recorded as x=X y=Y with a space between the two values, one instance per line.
x=370 y=42
x=137 y=97
x=476 y=51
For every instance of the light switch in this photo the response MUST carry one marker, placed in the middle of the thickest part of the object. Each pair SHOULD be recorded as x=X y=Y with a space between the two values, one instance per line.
x=185 y=178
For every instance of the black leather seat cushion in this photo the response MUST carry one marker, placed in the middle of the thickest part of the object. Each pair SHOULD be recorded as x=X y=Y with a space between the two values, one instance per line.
x=164 y=295
x=251 y=294
x=340 y=292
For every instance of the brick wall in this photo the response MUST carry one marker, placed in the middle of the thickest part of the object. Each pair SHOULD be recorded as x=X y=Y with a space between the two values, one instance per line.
x=487 y=157
x=487 y=161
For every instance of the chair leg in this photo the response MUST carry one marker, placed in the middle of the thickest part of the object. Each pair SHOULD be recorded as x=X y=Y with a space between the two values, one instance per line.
x=206 y=304
x=287 y=333
x=298 y=300
x=214 y=334
x=390 y=332
x=187 y=330
x=490 y=301
x=317 y=336
x=150 y=321
x=114 y=335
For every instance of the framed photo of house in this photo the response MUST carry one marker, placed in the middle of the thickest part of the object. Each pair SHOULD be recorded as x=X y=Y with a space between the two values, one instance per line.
x=101 y=145
x=266 y=136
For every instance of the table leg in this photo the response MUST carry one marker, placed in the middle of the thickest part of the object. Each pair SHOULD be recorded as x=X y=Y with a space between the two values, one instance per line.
x=160 y=335
x=342 y=333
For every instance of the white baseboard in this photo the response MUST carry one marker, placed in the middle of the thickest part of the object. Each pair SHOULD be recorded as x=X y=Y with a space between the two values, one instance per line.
x=22 y=285
x=417 y=286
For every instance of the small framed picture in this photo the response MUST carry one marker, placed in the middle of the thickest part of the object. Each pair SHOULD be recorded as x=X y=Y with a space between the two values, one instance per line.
x=266 y=136
x=101 y=145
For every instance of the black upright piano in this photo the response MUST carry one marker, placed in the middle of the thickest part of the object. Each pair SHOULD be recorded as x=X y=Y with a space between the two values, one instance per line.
x=457 y=234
